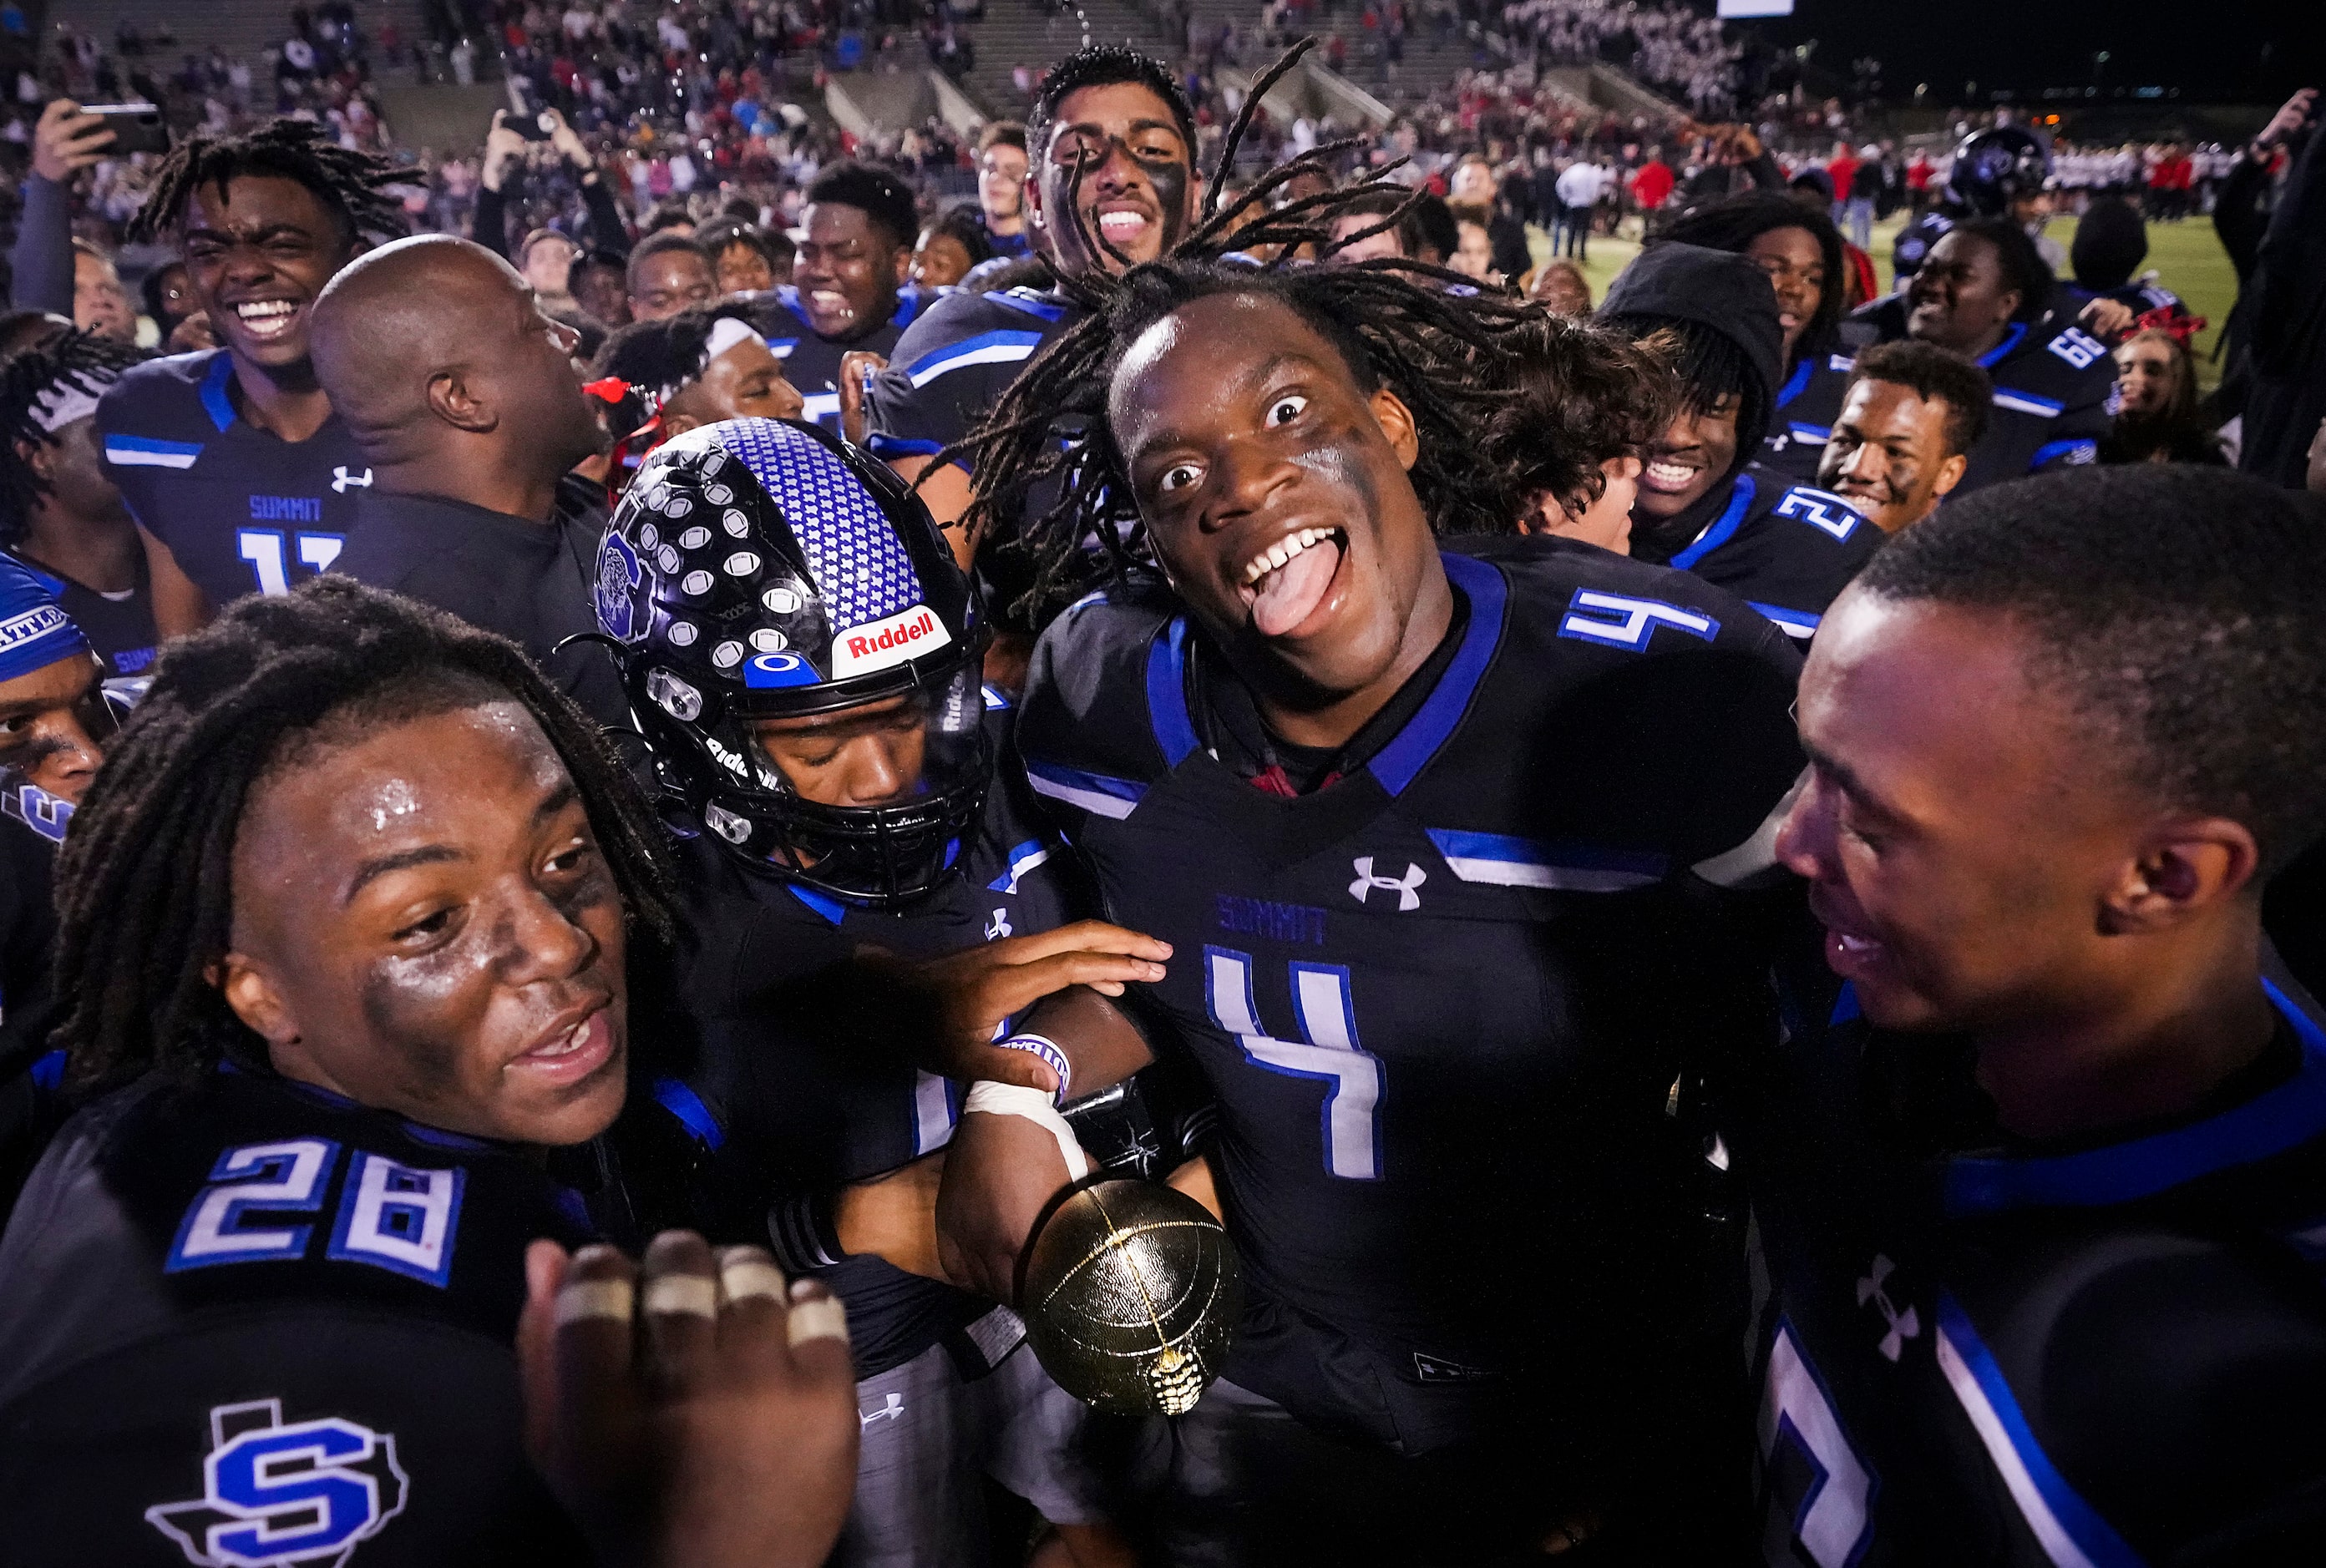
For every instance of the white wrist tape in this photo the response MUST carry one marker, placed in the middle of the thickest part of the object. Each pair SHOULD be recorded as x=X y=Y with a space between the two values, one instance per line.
x=1015 y=1100
x=824 y=1318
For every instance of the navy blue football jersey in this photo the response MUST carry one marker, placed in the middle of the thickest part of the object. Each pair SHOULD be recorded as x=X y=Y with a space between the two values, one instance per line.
x=955 y=362
x=1807 y=406
x=32 y=829
x=812 y=364
x=2097 y=1352
x=796 y=1104
x=1441 y=1001
x=119 y=626
x=1786 y=548
x=245 y=1321
x=242 y=511
x=2052 y=384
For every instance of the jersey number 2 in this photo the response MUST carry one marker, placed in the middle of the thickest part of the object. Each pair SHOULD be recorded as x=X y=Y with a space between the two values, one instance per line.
x=1329 y=1053
x=264 y=548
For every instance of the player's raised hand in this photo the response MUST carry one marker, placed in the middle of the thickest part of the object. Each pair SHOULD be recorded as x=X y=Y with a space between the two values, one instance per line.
x=2288 y=119
x=975 y=989
x=65 y=141
x=694 y=1411
x=857 y=366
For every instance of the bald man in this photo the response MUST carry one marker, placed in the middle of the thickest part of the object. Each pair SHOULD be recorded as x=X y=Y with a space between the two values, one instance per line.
x=465 y=401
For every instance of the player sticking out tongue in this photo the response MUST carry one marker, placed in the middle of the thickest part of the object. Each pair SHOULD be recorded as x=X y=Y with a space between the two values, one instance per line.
x=1281 y=441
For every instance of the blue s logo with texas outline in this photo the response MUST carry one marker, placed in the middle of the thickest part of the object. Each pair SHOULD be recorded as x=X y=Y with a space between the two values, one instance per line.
x=618 y=575
x=301 y=1494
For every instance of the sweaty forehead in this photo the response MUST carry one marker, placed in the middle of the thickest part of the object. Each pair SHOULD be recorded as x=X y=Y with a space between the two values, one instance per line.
x=1113 y=109
x=1207 y=346
x=249 y=202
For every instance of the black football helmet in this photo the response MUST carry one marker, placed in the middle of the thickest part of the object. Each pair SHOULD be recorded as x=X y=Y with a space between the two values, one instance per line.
x=1993 y=168
x=761 y=570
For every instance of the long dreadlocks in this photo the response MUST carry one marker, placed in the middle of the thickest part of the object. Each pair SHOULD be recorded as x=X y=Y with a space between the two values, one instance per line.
x=146 y=896
x=353 y=185
x=1422 y=332
x=35 y=386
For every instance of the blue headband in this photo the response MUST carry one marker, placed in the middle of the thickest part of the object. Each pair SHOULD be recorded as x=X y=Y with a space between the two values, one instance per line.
x=34 y=632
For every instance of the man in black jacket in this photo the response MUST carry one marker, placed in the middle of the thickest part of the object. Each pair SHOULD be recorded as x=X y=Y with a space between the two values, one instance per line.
x=465 y=401
x=2283 y=334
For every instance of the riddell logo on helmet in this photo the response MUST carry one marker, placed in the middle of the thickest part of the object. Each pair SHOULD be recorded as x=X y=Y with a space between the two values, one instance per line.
x=881 y=643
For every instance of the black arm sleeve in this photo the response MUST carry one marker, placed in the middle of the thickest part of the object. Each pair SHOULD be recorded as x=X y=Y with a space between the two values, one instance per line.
x=2237 y=216
x=606 y=230
x=489 y=228
x=1764 y=171
x=2292 y=264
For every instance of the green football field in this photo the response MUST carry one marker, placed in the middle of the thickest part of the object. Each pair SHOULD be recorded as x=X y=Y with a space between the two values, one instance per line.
x=2187 y=257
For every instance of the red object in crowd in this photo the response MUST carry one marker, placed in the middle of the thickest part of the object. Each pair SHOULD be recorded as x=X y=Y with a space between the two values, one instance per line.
x=1841 y=171
x=1866 y=286
x=1651 y=183
x=1917 y=174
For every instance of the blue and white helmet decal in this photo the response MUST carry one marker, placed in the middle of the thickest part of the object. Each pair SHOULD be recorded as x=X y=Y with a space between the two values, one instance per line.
x=615 y=591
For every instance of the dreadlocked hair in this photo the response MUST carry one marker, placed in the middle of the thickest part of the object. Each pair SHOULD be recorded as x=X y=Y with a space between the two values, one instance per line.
x=76 y=359
x=144 y=901
x=353 y=185
x=1420 y=331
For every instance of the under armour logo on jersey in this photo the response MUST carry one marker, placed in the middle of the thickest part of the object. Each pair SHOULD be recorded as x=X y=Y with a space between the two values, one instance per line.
x=999 y=926
x=1403 y=886
x=1902 y=1326
x=894 y=1410
x=341 y=480
x=305 y=1492
x=1625 y=622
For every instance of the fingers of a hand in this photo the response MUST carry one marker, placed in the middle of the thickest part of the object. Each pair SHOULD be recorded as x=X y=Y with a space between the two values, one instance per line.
x=1022 y=1068
x=818 y=1334
x=678 y=1298
x=1029 y=983
x=546 y=1265
x=1083 y=936
x=592 y=1353
x=753 y=1313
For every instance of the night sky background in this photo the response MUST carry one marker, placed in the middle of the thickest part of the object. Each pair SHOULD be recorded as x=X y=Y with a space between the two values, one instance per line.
x=2210 y=49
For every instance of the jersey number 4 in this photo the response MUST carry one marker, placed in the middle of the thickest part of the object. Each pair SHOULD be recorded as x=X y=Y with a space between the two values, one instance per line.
x=1329 y=1052
x=265 y=550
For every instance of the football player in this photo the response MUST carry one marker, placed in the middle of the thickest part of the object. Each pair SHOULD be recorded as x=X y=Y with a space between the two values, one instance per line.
x=1113 y=184
x=1705 y=505
x=61 y=514
x=1431 y=829
x=241 y=480
x=1998 y=172
x=54 y=722
x=1910 y=416
x=1985 y=294
x=803 y=656
x=2042 y=1210
x=351 y=921
x=1800 y=250
x=848 y=290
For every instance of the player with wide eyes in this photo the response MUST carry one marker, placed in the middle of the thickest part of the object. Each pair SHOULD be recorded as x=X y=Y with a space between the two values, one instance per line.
x=1432 y=828
x=353 y=918
x=241 y=478
x=2041 y=1211
x=803 y=656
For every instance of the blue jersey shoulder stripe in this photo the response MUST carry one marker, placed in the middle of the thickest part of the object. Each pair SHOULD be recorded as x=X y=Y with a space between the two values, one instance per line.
x=888 y=446
x=2070 y=1530
x=2276 y=1121
x=1812 y=434
x=1515 y=862
x=1000 y=347
x=127 y=451
x=1093 y=791
x=1793 y=623
x=1797 y=382
x=2010 y=341
x=2012 y=398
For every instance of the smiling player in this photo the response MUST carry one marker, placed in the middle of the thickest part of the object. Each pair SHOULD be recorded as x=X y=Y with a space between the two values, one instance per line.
x=240 y=478
x=1346 y=771
x=352 y=918
x=2041 y=1210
